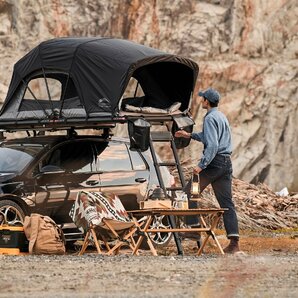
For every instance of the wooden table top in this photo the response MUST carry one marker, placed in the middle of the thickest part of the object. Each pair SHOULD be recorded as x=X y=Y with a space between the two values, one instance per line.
x=177 y=211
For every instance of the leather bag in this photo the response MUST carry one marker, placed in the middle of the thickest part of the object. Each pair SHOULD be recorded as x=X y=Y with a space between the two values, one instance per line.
x=44 y=235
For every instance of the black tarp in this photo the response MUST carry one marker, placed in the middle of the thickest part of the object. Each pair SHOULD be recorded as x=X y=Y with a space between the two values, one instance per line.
x=98 y=69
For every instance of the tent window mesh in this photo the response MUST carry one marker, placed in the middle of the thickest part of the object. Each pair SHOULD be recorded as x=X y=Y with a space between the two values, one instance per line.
x=39 y=88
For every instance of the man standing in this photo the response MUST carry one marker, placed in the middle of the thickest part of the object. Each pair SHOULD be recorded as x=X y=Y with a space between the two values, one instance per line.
x=215 y=166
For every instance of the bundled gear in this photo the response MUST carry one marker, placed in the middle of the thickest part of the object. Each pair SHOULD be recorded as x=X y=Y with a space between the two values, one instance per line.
x=44 y=235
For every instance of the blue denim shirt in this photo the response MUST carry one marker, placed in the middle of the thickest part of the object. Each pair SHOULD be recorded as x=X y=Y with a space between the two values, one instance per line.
x=216 y=137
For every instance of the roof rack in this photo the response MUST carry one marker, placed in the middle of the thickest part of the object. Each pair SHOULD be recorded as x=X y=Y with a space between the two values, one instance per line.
x=78 y=123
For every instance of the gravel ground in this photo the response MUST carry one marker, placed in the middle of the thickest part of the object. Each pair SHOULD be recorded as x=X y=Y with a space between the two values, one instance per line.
x=262 y=274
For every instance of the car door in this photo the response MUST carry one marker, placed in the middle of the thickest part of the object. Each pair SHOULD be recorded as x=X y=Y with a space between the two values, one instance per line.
x=67 y=169
x=124 y=173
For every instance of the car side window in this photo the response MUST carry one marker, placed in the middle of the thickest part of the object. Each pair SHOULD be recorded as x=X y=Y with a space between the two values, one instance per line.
x=75 y=157
x=115 y=157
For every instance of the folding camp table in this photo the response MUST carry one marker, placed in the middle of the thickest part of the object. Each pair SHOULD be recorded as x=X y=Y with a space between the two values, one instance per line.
x=207 y=228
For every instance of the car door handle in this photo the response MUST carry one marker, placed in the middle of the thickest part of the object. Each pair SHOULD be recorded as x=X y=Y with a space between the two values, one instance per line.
x=55 y=186
x=141 y=180
x=92 y=182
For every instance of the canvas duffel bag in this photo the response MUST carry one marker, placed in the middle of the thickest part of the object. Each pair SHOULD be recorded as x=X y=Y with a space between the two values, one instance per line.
x=44 y=235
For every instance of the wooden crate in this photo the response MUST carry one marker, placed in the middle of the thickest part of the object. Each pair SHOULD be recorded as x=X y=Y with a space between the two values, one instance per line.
x=156 y=204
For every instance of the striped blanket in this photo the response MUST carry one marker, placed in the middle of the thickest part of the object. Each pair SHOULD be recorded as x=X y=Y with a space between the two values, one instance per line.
x=92 y=207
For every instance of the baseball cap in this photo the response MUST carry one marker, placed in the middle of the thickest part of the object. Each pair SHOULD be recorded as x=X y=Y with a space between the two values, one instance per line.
x=211 y=94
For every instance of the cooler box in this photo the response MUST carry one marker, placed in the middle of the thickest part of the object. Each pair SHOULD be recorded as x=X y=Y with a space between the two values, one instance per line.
x=12 y=240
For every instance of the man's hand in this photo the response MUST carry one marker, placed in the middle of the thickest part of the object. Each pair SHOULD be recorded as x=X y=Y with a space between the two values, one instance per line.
x=182 y=134
x=197 y=170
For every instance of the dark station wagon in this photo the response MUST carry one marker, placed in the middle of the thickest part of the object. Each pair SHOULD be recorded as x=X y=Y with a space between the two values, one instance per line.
x=43 y=174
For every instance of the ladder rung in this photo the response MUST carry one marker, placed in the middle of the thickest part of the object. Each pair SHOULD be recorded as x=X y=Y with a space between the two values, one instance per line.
x=167 y=164
x=174 y=188
x=161 y=136
x=166 y=136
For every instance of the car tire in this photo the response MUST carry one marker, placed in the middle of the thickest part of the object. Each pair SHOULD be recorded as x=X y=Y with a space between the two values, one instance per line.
x=11 y=213
x=160 y=239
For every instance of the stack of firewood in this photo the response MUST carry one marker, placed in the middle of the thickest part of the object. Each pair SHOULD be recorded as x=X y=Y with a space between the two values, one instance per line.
x=258 y=207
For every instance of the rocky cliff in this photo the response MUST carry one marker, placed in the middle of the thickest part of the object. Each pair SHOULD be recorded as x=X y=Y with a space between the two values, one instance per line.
x=247 y=49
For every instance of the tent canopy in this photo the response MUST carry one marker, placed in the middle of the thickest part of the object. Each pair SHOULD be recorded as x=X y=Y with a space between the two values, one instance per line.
x=93 y=74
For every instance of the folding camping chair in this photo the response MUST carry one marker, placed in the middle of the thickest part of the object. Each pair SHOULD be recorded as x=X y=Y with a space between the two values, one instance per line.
x=103 y=218
x=122 y=234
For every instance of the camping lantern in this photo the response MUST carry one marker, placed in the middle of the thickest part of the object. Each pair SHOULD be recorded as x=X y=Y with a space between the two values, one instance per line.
x=195 y=191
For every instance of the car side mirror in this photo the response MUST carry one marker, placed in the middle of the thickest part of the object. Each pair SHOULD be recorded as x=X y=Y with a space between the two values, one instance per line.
x=51 y=169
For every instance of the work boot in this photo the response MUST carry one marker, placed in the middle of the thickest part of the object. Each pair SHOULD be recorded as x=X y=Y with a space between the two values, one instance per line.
x=233 y=246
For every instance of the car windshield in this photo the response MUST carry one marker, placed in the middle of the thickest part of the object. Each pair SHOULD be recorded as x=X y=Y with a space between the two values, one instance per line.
x=15 y=157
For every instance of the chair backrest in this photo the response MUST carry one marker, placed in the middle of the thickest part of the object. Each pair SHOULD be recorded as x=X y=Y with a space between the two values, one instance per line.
x=90 y=208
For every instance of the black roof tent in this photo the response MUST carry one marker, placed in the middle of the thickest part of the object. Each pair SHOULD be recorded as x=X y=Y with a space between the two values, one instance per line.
x=94 y=73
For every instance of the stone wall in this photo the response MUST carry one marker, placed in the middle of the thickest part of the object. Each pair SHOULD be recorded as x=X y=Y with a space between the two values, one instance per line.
x=247 y=49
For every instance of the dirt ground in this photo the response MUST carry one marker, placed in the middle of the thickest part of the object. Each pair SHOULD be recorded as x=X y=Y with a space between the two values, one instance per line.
x=268 y=267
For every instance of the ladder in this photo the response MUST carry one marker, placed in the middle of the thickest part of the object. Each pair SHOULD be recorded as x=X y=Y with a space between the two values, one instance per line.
x=166 y=136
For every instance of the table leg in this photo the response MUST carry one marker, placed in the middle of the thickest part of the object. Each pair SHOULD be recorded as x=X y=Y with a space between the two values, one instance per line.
x=213 y=226
x=141 y=238
x=209 y=233
x=203 y=244
x=217 y=243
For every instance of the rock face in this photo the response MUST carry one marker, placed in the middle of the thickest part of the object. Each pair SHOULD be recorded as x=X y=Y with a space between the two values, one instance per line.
x=246 y=49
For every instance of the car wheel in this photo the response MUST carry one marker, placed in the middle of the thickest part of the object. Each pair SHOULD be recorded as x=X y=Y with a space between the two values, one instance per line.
x=160 y=239
x=11 y=213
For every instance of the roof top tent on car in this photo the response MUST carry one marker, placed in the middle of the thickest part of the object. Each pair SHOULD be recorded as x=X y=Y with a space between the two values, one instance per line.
x=78 y=83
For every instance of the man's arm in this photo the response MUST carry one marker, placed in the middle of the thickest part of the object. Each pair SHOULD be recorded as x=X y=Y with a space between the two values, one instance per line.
x=184 y=134
x=211 y=143
x=196 y=136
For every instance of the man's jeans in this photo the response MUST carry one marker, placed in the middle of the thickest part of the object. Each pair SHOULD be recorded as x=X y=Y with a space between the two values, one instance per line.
x=219 y=174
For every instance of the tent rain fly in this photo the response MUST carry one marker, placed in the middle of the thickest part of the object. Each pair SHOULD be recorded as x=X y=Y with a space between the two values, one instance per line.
x=82 y=80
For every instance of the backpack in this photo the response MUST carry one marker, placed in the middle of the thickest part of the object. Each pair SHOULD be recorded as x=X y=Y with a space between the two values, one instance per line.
x=44 y=236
